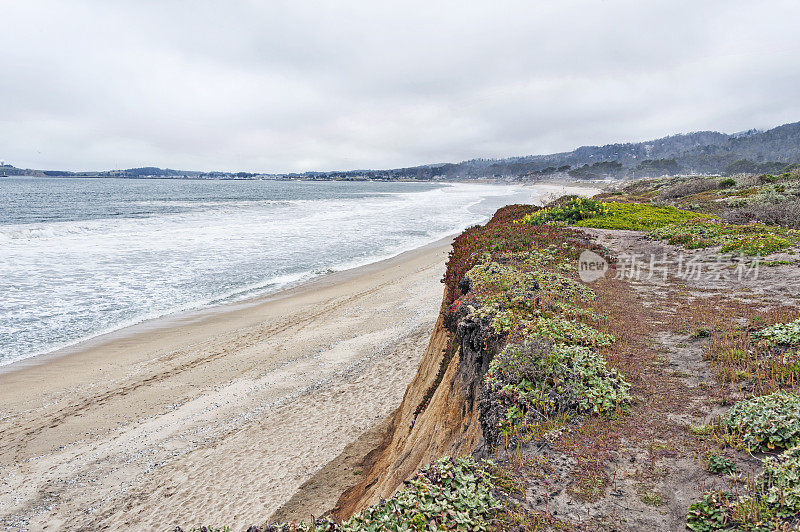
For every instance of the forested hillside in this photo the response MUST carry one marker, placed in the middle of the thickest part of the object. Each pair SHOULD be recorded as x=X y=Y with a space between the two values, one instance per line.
x=776 y=150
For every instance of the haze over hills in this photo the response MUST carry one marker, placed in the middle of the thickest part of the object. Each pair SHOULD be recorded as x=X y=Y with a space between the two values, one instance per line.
x=702 y=152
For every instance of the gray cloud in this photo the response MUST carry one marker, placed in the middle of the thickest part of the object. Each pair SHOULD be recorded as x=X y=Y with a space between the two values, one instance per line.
x=286 y=85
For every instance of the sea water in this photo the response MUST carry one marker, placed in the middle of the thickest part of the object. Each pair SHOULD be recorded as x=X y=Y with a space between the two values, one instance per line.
x=83 y=257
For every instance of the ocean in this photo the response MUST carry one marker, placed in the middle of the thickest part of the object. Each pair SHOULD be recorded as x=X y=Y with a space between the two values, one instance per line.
x=83 y=257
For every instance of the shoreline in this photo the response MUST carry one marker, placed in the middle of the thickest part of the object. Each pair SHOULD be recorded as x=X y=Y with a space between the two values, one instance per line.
x=204 y=313
x=198 y=309
x=153 y=425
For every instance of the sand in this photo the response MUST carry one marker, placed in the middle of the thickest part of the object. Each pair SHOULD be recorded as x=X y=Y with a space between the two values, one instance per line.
x=216 y=418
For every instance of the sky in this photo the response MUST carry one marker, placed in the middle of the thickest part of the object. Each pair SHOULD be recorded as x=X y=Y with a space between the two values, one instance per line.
x=286 y=86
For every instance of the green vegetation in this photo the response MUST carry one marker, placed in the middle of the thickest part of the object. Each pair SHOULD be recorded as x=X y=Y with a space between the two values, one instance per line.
x=787 y=334
x=752 y=239
x=639 y=217
x=450 y=494
x=701 y=430
x=564 y=331
x=536 y=380
x=708 y=513
x=651 y=498
x=701 y=332
x=720 y=465
x=509 y=296
x=781 y=483
x=774 y=497
x=572 y=210
x=550 y=367
x=765 y=423
x=610 y=215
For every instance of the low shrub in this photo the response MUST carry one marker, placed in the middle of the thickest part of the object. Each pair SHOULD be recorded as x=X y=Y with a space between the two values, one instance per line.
x=639 y=217
x=781 y=483
x=720 y=464
x=450 y=494
x=765 y=423
x=505 y=236
x=753 y=239
x=772 y=499
x=785 y=214
x=727 y=183
x=787 y=334
x=570 y=211
x=536 y=380
x=767 y=194
x=564 y=331
x=709 y=513
x=687 y=188
x=756 y=244
x=727 y=511
x=507 y=296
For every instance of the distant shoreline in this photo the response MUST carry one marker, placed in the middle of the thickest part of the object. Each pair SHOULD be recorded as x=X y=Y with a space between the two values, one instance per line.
x=487 y=180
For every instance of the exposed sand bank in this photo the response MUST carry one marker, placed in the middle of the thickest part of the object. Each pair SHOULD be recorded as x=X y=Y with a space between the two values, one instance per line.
x=214 y=418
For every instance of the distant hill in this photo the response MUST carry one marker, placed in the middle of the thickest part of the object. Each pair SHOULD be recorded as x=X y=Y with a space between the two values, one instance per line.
x=702 y=152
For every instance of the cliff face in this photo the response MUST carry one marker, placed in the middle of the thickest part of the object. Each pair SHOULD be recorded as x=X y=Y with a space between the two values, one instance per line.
x=440 y=412
x=429 y=422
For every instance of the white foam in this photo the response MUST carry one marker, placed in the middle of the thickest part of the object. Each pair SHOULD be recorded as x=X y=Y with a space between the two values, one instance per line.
x=65 y=281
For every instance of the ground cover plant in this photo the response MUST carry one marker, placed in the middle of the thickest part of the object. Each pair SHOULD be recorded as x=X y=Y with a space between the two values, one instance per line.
x=570 y=332
x=570 y=210
x=550 y=367
x=780 y=483
x=756 y=358
x=720 y=464
x=765 y=423
x=536 y=381
x=453 y=493
x=503 y=235
x=787 y=334
x=638 y=217
x=770 y=502
x=752 y=239
x=610 y=215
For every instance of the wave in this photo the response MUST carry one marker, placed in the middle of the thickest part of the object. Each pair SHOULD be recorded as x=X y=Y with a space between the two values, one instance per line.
x=67 y=281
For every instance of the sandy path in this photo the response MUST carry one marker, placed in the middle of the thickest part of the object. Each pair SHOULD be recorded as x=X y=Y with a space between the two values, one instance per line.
x=216 y=419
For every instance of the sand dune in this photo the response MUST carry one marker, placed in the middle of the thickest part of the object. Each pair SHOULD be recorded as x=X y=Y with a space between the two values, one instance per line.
x=216 y=418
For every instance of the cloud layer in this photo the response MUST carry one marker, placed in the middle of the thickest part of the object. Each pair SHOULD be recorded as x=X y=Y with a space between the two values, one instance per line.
x=292 y=86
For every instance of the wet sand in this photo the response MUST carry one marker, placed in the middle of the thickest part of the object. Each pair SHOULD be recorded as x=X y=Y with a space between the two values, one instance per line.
x=214 y=418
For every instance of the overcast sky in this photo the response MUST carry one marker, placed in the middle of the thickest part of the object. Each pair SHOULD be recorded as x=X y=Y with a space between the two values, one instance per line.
x=298 y=85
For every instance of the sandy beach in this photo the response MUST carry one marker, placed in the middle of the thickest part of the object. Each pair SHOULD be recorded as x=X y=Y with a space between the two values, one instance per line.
x=215 y=418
